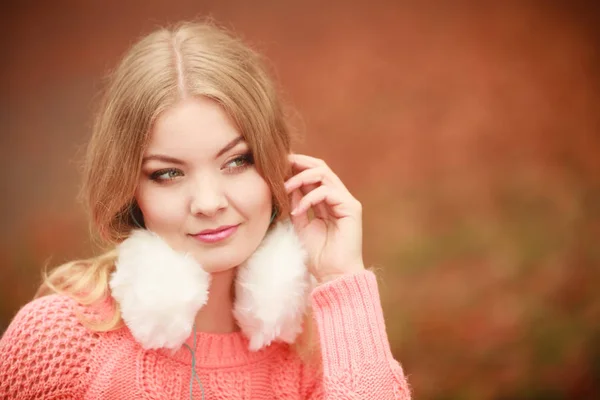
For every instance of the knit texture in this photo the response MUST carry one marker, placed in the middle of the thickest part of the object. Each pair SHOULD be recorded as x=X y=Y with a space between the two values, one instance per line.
x=48 y=354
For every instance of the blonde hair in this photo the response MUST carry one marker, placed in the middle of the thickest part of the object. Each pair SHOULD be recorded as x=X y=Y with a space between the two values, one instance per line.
x=167 y=65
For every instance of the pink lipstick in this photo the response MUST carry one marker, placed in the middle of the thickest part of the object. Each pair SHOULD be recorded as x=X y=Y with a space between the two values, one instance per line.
x=216 y=235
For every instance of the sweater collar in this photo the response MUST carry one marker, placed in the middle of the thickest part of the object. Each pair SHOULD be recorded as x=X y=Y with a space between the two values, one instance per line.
x=221 y=350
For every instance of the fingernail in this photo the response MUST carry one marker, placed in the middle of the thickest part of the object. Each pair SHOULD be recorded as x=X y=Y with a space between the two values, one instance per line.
x=294 y=211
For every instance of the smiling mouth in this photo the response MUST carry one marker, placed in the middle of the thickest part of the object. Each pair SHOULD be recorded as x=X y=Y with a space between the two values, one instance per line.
x=216 y=235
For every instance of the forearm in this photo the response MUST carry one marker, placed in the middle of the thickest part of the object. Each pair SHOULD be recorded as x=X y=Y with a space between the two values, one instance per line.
x=357 y=360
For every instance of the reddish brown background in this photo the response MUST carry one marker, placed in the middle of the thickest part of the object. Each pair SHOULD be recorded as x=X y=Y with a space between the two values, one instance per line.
x=469 y=131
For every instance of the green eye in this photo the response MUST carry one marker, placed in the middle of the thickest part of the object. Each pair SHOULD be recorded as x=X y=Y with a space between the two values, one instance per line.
x=240 y=162
x=165 y=174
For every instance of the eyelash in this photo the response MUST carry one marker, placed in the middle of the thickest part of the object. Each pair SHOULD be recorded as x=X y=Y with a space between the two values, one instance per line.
x=246 y=159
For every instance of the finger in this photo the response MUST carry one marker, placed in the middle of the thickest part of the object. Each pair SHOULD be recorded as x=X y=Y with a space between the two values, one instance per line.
x=301 y=162
x=313 y=176
x=299 y=220
x=320 y=211
x=323 y=196
x=307 y=181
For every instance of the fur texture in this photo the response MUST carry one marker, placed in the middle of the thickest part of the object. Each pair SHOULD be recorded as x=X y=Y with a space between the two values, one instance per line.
x=160 y=291
x=272 y=288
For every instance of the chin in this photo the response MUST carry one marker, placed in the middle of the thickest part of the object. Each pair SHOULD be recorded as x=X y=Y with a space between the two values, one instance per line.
x=220 y=264
x=227 y=256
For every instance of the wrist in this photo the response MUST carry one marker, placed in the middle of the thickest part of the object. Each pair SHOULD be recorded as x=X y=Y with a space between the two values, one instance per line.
x=332 y=276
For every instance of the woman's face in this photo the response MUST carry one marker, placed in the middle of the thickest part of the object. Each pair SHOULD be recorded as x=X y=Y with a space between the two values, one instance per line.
x=198 y=175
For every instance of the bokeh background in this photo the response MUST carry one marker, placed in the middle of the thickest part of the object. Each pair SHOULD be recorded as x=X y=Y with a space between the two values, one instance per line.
x=469 y=130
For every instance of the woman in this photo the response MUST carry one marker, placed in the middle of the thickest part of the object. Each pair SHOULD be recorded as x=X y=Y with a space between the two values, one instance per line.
x=215 y=261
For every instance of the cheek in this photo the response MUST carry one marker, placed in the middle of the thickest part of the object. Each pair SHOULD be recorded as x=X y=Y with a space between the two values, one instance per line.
x=251 y=195
x=163 y=210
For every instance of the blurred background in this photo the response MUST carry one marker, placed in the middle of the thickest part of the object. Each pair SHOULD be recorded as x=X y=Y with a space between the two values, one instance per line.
x=469 y=130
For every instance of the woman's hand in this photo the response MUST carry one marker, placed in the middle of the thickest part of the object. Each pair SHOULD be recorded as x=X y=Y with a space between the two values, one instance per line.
x=333 y=238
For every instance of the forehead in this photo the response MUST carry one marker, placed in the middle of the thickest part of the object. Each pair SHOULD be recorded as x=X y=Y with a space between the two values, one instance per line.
x=198 y=126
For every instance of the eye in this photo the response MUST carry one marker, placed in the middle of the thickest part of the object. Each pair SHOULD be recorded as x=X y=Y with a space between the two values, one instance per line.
x=165 y=174
x=240 y=163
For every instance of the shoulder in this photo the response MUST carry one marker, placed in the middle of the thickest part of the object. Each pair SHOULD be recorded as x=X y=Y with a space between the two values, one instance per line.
x=45 y=349
x=51 y=316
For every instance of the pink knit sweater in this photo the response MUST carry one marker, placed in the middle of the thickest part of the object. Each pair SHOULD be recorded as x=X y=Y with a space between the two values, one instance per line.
x=47 y=354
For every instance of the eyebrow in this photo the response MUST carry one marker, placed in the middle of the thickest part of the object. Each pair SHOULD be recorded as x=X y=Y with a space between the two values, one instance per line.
x=168 y=159
x=230 y=146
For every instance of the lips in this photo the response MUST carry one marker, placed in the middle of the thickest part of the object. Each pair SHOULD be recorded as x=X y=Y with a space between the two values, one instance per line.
x=219 y=229
x=216 y=235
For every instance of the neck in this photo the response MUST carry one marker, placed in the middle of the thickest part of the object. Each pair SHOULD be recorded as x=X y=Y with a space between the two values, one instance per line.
x=216 y=316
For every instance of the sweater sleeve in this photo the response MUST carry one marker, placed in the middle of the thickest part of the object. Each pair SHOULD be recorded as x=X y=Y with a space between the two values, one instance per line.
x=356 y=355
x=45 y=351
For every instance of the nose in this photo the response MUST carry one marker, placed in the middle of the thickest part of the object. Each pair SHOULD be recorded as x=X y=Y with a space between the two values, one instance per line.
x=207 y=197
